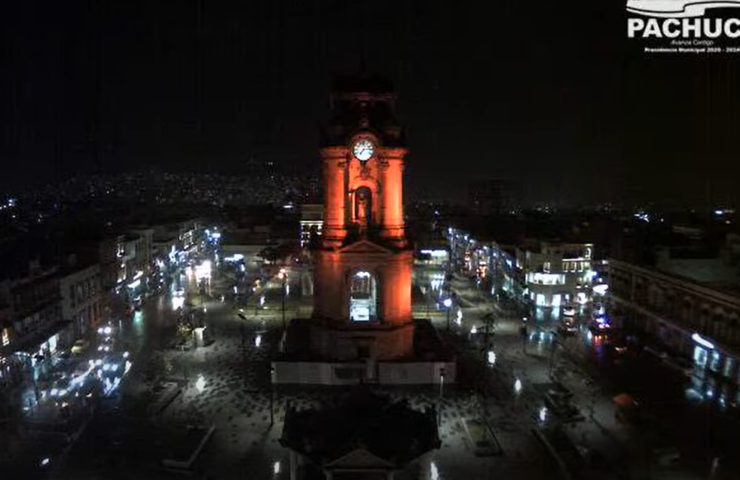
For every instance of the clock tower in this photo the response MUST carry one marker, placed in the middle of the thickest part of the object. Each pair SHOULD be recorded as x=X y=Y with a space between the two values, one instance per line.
x=362 y=269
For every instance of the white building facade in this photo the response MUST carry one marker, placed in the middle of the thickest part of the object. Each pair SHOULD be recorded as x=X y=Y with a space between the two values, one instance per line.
x=557 y=274
x=81 y=296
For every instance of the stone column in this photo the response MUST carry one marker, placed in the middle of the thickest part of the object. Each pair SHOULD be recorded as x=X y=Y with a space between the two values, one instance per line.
x=395 y=289
x=335 y=201
x=392 y=194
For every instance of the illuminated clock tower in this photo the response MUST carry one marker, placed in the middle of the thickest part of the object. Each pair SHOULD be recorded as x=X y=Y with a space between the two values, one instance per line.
x=362 y=270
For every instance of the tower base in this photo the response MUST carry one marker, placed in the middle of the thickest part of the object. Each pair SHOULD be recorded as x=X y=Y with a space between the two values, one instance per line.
x=326 y=354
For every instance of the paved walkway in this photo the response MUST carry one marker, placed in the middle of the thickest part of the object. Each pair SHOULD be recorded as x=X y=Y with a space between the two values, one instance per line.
x=599 y=435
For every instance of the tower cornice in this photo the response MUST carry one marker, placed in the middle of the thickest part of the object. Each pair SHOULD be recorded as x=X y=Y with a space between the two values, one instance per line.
x=393 y=152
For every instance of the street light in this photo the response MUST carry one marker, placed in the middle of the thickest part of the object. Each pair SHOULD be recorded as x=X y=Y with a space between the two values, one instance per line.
x=491 y=358
x=283 y=275
x=543 y=414
x=448 y=304
x=523 y=333
x=441 y=392
x=433 y=472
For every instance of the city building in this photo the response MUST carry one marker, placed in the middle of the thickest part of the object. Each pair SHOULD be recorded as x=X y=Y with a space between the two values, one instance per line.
x=109 y=263
x=246 y=243
x=698 y=322
x=496 y=267
x=557 y=273
x=145 y=249
x=132 y=253
x=80 y=295
x=32 y=328
x=312 y=221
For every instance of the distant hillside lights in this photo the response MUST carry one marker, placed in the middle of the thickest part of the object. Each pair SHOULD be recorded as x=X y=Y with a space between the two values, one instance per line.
x=9 y=204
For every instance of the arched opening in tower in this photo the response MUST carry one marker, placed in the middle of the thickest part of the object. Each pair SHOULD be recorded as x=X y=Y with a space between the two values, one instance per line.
x=363 y=207
x=363 y=297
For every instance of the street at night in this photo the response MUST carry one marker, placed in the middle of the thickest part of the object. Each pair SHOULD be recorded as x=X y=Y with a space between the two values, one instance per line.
x=376 y=240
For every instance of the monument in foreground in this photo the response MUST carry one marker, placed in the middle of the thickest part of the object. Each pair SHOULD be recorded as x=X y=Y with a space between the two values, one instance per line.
x=362 y=328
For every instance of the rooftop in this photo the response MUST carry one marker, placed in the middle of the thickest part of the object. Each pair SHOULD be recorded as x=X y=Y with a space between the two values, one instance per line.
x=712 y=271
x=361 y=419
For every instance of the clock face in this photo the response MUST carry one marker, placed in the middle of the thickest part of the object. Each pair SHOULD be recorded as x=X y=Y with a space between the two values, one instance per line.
x=363 y=150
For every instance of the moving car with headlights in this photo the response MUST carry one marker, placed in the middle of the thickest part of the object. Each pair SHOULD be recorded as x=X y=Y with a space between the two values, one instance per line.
x=80 y=347
x=568 y=326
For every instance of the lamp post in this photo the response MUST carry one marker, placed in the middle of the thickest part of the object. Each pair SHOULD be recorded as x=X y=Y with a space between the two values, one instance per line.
x=488 y=319
x=441 y=392
x=552 y=353
x=283 y=275
x=272 y=394
x=523 y=332
x=448 y=305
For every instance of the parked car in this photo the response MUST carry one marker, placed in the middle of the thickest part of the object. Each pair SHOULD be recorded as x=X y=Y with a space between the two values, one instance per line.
x=568 y=327
x=600 y=326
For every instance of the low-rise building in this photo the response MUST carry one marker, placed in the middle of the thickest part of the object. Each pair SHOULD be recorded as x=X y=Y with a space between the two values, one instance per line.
x=32 y=328
x=557 y=273
x=312 y=221
x=694 y=320
x=81 y=295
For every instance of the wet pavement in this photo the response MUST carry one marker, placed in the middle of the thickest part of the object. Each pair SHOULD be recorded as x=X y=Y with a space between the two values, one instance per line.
x=226 y=384
x=674 y=445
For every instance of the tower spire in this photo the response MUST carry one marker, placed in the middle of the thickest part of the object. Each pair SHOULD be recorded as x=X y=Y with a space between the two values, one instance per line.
x=363 y=62
x=361 y=39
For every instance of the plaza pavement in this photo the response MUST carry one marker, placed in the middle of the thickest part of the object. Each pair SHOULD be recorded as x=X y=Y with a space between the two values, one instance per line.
x=236 y=399
x=621 y=448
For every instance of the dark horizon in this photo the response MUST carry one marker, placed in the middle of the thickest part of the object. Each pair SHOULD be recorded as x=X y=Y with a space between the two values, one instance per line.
x=554 y=98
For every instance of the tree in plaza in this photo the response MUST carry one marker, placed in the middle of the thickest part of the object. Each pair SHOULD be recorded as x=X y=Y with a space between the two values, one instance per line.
x=280 y=252
x=185 y=331
x=269 y=254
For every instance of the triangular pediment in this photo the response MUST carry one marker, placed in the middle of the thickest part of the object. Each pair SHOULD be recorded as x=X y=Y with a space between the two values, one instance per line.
x=360 y=458
x=364 y=247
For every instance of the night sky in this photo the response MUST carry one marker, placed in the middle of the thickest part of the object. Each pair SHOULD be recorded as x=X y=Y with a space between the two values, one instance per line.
x=550 y=95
